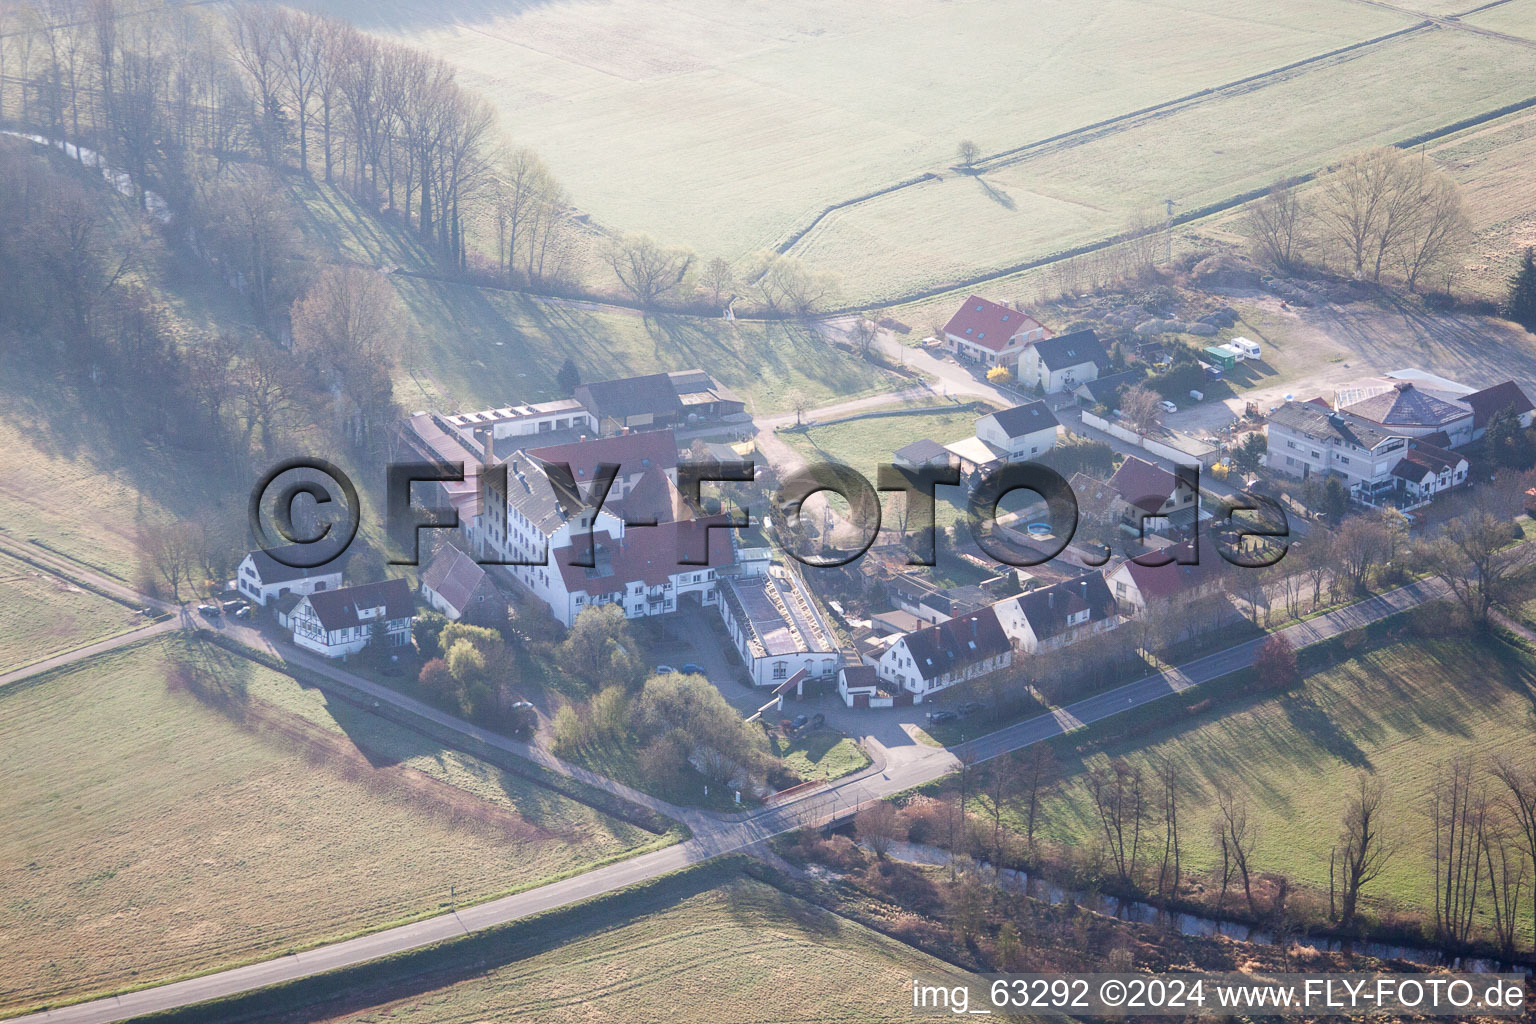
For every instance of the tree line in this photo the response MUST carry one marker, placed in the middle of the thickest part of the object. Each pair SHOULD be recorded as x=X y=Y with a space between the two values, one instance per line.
x=173 y=95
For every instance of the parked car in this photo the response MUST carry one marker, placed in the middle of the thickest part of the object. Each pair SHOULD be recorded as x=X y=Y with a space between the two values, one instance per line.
x=233 y=604
x=691 y=669
x=243 y=612
x=939 y=717
x=1213 y=372
x=818 y=720
x=664 y=670
x=1167 y=406
x=799 y=722
x=210 y=611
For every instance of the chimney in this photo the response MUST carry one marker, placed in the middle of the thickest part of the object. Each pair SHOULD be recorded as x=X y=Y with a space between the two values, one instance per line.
x=490 y=446
x=1050 y=599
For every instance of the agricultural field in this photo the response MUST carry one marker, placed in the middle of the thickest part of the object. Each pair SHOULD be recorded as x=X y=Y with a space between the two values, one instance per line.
x=734 y=135
x=744 y=950
x=1070 y=193
x=42 y=615
x=162 y=822
x=1514 y=17
x=1395 y=712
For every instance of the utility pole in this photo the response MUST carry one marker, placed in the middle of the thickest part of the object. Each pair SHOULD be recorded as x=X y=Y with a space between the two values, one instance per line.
x=1168 y=231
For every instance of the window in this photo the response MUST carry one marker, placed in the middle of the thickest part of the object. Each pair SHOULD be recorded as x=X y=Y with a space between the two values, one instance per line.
x=780 y=670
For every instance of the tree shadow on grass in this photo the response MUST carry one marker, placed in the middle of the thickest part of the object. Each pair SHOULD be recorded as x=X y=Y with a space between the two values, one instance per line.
x=995 y=194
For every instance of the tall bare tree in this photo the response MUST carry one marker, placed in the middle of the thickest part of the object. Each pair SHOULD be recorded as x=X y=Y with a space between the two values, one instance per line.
x=1457 y=810
x=1363 y=849
x=1520 y=782
x=1476 y=556
x=1141 y=408
x=1236 y=837
x=1277 y=225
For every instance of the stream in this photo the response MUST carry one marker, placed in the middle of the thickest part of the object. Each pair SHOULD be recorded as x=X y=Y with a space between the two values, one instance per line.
x=119 y=180
x=1199 y=926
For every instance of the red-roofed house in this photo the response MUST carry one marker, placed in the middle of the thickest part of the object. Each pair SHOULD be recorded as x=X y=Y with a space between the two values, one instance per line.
x=1159 y=587
x=1489 y=402
x=985 y=332
x=635 y=454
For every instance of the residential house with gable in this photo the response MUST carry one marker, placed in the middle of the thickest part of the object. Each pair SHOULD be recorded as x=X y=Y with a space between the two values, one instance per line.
x=983 y=331
x=1058 y=615
x=263 y=579
x=1062 y=363
x=458 y=587
x=937 y=657
x=338 y=623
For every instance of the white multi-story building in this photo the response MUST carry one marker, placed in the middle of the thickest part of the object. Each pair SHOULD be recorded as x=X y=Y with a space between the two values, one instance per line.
x=1306 y=439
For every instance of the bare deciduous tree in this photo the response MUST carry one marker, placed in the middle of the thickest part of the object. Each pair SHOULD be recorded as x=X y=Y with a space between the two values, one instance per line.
x=171 y=553
x=1141 y=408
x=1475 y=556
x=719 y=280
x=1457 y=810
x=1277 y=223
x=1236 y=837
x=1363 y=849
x=878 y=826
x=646 y=269
x=1119 y=797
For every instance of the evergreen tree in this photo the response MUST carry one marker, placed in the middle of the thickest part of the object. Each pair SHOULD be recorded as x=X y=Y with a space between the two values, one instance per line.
x=1521 y=307
x=568 y=377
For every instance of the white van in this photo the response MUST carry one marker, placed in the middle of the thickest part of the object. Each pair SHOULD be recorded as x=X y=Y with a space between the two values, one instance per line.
x=1247 y=346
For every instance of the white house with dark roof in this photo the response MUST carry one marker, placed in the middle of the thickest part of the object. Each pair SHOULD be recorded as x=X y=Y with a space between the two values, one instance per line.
x=1062 y=363
x=262 y=578
x=1021 y=432
x=986 y=332
x=938 y=657
x=1061 y=614
x=336 y=623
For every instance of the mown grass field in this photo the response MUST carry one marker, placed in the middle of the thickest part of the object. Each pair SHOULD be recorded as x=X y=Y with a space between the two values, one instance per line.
x=727 y=132
x=1396 y=713
x=742 y=952
x=1065 y=195
x=872 y=440
x=470 y=347
x=42 y=615
x=154 y=831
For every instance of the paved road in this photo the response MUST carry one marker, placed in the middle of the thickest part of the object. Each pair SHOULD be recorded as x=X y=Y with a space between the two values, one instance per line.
x=717 y=835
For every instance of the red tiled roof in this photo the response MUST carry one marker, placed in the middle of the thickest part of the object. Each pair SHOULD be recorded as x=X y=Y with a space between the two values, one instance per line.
x=1144 y=485
x=1164 y=581
x=633 y=453
x=1489 y=402
x=650 y=555
x=983 y=322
